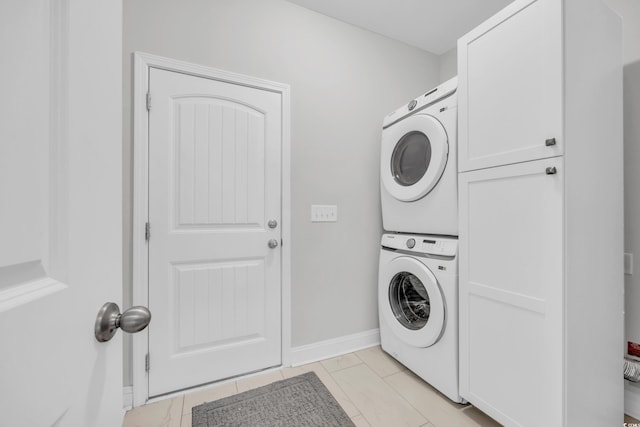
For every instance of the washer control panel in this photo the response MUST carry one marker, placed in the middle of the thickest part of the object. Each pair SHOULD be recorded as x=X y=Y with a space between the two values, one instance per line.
x=439 y=247
x=431 y=245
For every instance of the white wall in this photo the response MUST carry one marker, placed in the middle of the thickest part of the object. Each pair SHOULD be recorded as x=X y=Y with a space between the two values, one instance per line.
x=629 y=10
x=449 y=64
x=344 y=80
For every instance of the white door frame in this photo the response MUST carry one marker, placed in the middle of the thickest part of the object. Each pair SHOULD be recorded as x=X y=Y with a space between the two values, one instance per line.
x=142 y=63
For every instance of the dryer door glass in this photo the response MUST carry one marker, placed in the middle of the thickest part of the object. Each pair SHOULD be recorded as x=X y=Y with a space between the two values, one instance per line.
x=409 y=301
x=410 y=159
x=413 y=156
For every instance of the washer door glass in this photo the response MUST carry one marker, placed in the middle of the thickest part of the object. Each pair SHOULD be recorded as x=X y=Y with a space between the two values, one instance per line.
x=410 y=159
x=409 y=301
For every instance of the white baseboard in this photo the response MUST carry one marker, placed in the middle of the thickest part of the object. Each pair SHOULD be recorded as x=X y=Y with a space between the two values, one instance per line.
x=127 y=397
x=334 y=347
x=632 y=399
x=304 y=354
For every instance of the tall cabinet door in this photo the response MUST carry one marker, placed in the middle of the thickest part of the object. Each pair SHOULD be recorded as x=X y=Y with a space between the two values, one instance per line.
x=511 y=291
x=510 y=86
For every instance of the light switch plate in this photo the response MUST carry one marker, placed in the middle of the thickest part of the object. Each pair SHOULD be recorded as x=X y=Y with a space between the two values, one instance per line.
x=324 y=213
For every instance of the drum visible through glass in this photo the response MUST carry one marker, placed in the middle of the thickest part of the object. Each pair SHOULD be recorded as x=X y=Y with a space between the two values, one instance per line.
x=409 y=300
x=410 y=159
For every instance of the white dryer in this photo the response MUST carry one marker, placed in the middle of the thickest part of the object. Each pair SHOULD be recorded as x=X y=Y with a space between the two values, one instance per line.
x=418 y=164
x=418 y=307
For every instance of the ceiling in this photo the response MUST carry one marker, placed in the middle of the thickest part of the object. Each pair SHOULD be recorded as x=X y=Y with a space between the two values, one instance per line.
x=431 y=25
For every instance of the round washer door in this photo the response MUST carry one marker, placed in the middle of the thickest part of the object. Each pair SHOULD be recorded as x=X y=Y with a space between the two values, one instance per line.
x=413 y=156
x=411 y=302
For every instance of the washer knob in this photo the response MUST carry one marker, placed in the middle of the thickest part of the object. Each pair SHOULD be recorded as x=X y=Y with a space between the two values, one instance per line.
x=411 y=243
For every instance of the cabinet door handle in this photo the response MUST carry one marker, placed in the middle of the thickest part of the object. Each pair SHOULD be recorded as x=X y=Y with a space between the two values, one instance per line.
x=550 y=142
x=551 y=170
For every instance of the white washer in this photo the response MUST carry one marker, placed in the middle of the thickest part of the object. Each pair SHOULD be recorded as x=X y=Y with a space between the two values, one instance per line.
x=418 y=307
x=418 y=170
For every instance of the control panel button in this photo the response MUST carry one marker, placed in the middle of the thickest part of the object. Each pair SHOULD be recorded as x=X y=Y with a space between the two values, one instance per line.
x=411 y=243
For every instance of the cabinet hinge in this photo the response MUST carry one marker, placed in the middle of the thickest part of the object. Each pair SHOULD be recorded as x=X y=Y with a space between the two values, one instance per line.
x=147 y=364
x=147 y=231
x=148 y=101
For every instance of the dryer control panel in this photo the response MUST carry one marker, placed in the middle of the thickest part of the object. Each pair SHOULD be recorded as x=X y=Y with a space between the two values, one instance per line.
x=423 y=101
x=424 y=244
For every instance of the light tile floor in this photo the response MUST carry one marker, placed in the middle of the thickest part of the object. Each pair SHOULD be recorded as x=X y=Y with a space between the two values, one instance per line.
x=372 y=388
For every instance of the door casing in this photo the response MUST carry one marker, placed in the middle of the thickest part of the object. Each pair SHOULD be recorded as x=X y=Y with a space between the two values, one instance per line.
x=142 y=63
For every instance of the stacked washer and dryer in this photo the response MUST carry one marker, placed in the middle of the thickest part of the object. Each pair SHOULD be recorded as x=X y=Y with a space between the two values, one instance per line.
x=418 y=276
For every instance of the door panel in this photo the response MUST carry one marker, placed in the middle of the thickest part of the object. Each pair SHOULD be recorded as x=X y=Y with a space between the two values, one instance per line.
x=510 y=87
x=219 y=303
x=220 y=163
x=214 y=182
x=511 y=301
x=60 y=212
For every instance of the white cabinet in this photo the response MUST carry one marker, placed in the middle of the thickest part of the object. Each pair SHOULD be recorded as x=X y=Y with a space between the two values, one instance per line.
x=510 y=73
x=541 y=223
x=511 y=238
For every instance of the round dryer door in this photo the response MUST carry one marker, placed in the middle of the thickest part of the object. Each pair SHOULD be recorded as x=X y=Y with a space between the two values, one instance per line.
x=414 y=154
x=412 y=302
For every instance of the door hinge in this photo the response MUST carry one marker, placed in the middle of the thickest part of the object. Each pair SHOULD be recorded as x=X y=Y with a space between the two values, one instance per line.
x=147 y=231
x=147 y=364
x=148 y=101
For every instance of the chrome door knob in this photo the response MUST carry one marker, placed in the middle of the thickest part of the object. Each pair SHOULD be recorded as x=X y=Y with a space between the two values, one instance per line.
x=109 y=320
x=273 y=243
x=272 y=223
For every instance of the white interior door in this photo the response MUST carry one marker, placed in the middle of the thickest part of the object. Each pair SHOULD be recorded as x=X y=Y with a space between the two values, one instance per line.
x=60 y=211
x=214 y=206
